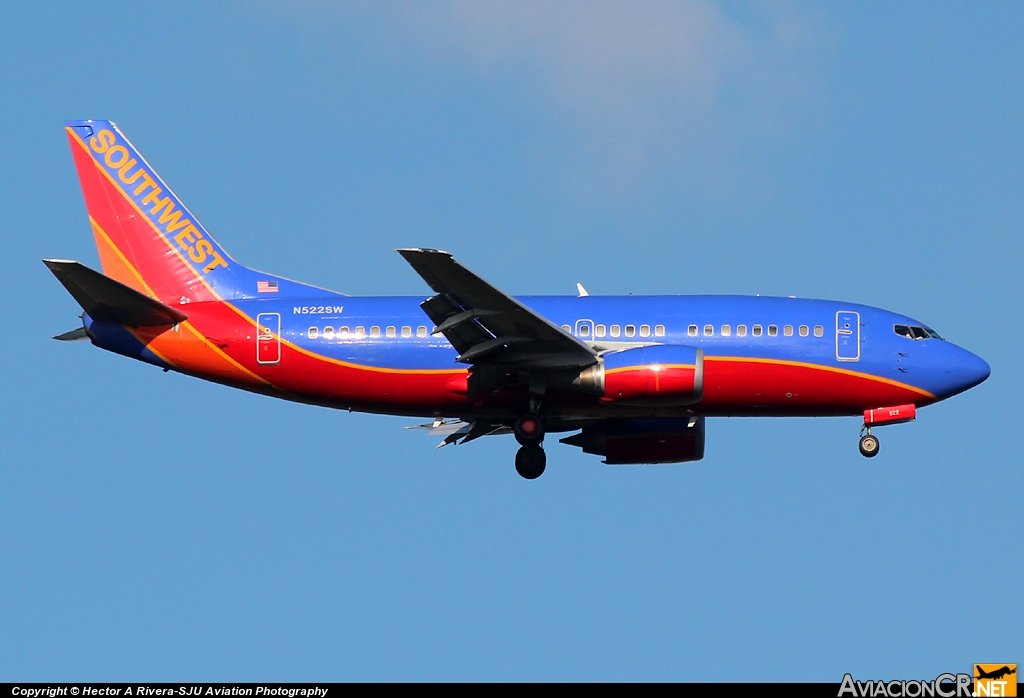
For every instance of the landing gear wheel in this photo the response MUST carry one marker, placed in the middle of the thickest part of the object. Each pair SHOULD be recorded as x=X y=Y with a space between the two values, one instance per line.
x=531 y=461
x=529 y=430
x=869 y=446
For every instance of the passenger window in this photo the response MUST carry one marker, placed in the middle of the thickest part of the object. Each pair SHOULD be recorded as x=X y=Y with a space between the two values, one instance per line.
x=645 y=330
x=567 y=329
x=804 y=330
x=630 y=330
x=819 y=331
x=585 y=330
x=374 y=332
x=615 y=330
x=741 y=330
x=726 y=330
x=691 y=330
x=390 y=331
x=314 y=333
x=328 y=333
x=600 y=330
x=659 y=330
x=421 y=331
x=360 y=332
x=342 y=333
x=709 y=330
x=773 y=330
x=756 y=331
x=406 y=331
x=788 y=330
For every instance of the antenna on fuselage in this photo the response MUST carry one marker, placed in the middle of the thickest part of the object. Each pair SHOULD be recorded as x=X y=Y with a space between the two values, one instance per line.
x=582 y=291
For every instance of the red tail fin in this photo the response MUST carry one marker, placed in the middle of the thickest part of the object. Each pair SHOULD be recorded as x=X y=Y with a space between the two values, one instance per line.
x=146 y=237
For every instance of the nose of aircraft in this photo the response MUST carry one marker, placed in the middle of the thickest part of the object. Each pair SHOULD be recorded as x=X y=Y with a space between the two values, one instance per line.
x=967 y=370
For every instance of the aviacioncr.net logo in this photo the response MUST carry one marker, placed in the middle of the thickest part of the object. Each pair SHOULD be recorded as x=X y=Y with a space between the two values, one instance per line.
x=942 y=686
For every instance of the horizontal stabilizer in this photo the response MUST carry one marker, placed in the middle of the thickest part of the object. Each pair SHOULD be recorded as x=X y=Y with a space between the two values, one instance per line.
x=75 y=335
x=107 y=300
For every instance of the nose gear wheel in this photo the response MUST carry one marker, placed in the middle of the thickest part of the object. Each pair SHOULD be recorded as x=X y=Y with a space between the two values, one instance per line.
x=869 y=445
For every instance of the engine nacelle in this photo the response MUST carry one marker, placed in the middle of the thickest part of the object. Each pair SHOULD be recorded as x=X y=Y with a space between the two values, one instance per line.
x=643 y=441
x=669 y=374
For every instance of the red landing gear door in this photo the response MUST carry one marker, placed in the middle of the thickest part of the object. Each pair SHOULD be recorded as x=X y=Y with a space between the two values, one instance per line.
x=890 y=415
x=268 y=338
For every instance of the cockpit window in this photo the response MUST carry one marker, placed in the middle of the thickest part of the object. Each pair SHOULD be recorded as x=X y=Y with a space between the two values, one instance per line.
x=915 y=332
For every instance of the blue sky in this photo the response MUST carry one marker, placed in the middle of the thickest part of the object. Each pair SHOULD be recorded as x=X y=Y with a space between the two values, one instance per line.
x=154 y=527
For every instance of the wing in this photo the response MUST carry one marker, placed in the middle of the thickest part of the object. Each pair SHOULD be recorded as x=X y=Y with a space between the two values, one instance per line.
x=488 y=327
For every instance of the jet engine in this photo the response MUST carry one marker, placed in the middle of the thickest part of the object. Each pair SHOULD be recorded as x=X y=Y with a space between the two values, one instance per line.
x=643 y=441
x=669 y=374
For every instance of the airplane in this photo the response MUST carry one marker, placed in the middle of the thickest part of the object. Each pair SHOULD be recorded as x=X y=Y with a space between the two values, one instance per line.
x=995 y=674
x=634 y=377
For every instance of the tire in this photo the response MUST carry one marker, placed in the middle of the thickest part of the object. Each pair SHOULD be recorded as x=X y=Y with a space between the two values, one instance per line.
x=869 y=446
x=529 y=430
x=531 y=462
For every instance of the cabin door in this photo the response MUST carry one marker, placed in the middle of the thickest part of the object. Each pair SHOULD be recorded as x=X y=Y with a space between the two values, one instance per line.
x=268 y=338
x=847 y=336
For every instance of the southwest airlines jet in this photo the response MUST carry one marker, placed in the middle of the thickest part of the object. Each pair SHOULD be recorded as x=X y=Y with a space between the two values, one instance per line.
x=634 y=377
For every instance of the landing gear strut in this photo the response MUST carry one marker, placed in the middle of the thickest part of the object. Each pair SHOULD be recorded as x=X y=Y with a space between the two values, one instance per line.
x=530 y=459
x=868 y=443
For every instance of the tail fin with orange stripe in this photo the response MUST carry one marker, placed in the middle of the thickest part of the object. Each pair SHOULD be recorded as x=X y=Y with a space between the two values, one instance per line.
x=147 y=238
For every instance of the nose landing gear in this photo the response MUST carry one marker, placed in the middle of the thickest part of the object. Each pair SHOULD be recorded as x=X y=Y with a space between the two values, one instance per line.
x=530 y=459
x=868 y=444
x=881 y=416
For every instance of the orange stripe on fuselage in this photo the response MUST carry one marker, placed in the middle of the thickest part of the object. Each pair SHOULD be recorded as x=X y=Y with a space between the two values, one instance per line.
x=187 y=349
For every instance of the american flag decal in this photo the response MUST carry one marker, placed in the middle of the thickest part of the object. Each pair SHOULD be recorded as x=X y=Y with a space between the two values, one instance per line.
x=266 y=287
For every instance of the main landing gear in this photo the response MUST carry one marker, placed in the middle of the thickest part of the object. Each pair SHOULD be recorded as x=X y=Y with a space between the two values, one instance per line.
x=530 y=459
